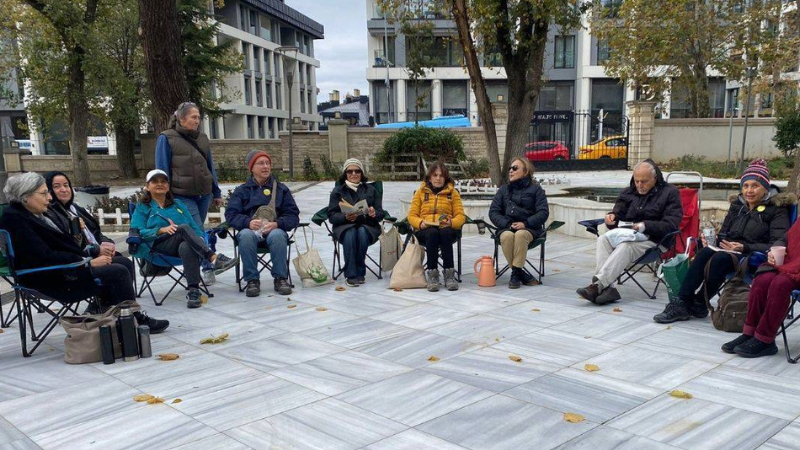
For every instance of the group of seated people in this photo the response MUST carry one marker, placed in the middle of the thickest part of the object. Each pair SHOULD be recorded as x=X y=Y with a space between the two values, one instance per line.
x=48 y=228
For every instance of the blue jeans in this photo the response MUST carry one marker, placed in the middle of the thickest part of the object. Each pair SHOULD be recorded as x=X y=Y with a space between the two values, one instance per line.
x=198 y=207
x=278 y=242
x=355 y=243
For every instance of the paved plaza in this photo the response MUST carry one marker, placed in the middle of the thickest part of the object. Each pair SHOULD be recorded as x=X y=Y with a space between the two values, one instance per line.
x=353 y=369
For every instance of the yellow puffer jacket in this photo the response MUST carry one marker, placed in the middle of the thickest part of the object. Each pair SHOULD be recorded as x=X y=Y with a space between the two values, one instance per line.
x=429 y=206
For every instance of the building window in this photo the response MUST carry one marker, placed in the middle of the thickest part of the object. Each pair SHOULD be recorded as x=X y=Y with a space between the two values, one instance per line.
x=266 y=29
x=681 y=108
x=565 y=52
x=310 y=104
x=271 y=125
x=302 y=100
x=608 y=95
x=382 y=102
x=268 y=95
x=277 y=59
x=242 y=18
x=246 y=55
x=556 y=96
x=418 y=101
x=278 y=96
x=611 y=7
x=249 y=127
x=212 y=125
x=257 y=59
x=261 y=132
x=254 y=22
x=267 y=62
x=248 y=94
x=258 y=93
x=454 y=98
x=602 y=52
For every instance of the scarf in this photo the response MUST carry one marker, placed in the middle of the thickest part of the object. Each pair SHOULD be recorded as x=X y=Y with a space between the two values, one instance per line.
x=353 y=186
x=194 y=134
x=791 y=264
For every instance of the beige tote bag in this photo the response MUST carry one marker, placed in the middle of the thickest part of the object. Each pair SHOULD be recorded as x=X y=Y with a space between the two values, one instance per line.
x=408 y=273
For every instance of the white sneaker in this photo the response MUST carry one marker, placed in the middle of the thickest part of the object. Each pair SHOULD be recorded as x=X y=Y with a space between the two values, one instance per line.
x=209 y=278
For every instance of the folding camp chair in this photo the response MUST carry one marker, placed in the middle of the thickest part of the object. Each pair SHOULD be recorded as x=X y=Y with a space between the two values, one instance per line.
x=791 y=318
x=691 y=201
x=263 y=257
x=538 y=269
x=320 y=218
x=158 y=264
x=650 y=259
x=28 y=299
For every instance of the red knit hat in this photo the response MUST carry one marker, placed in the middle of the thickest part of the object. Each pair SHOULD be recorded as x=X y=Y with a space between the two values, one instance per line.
x=253 y=156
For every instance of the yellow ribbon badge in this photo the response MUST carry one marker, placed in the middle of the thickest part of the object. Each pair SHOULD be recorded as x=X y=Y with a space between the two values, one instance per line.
x=267 y=192
x=761 y=208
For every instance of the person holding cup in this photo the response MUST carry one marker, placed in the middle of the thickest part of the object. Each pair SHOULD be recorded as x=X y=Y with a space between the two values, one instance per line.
x=757 y=218
x=769 y=299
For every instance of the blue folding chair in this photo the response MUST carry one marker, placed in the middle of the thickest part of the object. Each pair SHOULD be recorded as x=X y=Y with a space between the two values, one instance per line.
x=27 y=299
x=158 y=264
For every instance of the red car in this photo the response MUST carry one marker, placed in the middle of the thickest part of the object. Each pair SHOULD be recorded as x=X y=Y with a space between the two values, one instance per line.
x=546 y=151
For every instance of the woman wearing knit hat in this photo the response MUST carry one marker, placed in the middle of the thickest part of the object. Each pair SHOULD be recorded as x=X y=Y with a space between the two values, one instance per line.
x=355 y=231
x=757 y=218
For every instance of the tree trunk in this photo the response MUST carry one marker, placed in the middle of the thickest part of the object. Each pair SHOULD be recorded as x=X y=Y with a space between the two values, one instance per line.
x=161 y=42
x=478 y=85
x=126 y=161
x=78 y=120
x=794 y=180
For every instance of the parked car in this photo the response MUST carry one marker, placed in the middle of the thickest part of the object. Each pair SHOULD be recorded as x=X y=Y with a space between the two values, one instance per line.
x=608 y=147
x=546 y=151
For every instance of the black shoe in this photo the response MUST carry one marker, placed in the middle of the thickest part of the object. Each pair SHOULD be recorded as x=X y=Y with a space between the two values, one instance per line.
x=526 y=278
x=589 y=292
x=672 y=313
x=282 y=286
x=514 y=282
x=223 y=263
x=729 y=346
x=361 y=280
x=699 y=310
x=352 y=282
x=754 y=348
x=608 y=295
x=253 y=288
x=193 y=298
x=156 y=326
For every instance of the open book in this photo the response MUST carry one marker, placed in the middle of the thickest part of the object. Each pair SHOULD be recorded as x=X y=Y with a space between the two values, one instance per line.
x=717 y=249
x=623 y=224
x=360 y=207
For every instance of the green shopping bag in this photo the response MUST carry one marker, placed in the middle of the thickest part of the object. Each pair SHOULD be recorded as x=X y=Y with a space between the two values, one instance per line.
x=674 y=271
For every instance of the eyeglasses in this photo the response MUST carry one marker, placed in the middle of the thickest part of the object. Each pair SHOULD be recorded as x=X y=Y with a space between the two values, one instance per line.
x=513 y=168
x=44 y=194
x=263 y=164
x=353 y=171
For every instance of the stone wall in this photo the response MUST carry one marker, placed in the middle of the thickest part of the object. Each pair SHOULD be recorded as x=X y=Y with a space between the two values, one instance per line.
x=673 y=138
x=102 y=167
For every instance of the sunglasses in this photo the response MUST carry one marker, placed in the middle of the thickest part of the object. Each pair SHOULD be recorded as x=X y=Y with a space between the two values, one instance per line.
x=513 y=168
x=353 y=171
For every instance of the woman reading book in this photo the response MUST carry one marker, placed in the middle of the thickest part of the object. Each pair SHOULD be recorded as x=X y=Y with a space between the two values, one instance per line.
x=359 y=228
x=436 y=213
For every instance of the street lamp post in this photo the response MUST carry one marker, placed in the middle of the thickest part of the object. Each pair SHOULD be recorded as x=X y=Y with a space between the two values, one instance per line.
x=289 y=73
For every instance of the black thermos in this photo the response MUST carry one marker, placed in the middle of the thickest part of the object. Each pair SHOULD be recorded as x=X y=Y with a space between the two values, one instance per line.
x=126 y=327
x=145 y=351
x=106 y=344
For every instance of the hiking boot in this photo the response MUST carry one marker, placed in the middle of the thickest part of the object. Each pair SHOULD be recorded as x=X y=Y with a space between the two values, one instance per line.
x=352 y=282
x=672 y=313
x=209 y=277
x=433 y=280
x=526 y=278
x=282 y=286
x=699 y=310
x=193 y=298
x=156 y=326
x=361 y=280
x=608 y=295
x=728 y=347
x=450 y=281
x=589 y=292
x=223 y=263
x=754 y=348
x=253 y=288
x=514 y=282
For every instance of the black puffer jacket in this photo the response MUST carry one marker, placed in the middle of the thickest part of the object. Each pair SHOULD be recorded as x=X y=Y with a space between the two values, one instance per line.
x=758 y=228
x=365 y=192
x=521 y=201
x=660 y=209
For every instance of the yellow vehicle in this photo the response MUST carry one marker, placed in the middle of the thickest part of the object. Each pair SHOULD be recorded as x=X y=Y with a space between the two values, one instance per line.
x=608 y=147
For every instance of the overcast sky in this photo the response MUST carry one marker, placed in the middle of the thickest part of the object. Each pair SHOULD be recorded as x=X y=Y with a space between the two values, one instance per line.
x=343 y=52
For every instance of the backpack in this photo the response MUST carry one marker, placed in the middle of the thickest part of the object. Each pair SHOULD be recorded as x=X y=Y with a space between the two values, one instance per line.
x=731 y=309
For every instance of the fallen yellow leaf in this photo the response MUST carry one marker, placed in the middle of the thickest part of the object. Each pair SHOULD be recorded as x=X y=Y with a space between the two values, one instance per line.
x=397 y=289
x=215 y=339
x=292 y=306
x=433 y=358
x=536 y=310
x=669 y=327
x=497 y=339
x=617 y=309
x=204 y=299
x=574 y=418
x=177 y=400
x=340 y=288
x=591 y=368
x=1 y=331
x=515 y=358
x=321 y=308
x=680 y=394
x=155 y=401
x=168 y=356
x=142 y=397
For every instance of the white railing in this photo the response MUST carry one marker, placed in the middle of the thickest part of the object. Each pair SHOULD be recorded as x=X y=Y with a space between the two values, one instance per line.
x=118 y=217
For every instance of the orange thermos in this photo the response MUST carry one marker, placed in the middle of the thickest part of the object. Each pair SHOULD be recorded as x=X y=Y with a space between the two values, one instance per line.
x=486 y=273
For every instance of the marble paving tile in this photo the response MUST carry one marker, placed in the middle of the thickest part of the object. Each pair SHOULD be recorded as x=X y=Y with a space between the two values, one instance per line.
x=239 y=333
x=21 y=444
x=368 y=305
x=248 y=307
x=421 y=317
x=186 y=320
x=636 y=308
x=328 y=424
x=357 y=333
x=413 y=398
x=43 y=376
x=48 y=411
x=597 y=398
x=612 y=328
x=332 y=375
x=215 y=442
x=191 y=367
x=473 y=302
x=8 y=432
x=605 y=438
x=502 y=423
x=556 y=347
x=691 y=343
x=548 y=314
x=786 y=439
x=281 y=351
x=125 y=429
x=641 y=366
x=302 y=317
x=413 y=349
x=763 y=394
x=769 y=365
x=490 y=369
x=413 y=439
x=236 y=401
x=160 y=344
x=483 y=330
x=698 y=424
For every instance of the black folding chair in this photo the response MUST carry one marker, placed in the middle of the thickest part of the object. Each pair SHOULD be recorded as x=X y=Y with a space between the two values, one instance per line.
x=29 y=299
x=651 y=258
x=540 y=241
x=791 y=318
x=263 y=257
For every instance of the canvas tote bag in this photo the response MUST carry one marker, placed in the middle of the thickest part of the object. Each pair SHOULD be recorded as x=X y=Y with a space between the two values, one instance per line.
x=309 y=265
x=408 y=273
x=391 y=247
x=82 y=344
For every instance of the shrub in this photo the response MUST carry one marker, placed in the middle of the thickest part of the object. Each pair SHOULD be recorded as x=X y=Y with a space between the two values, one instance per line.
x=232 y=169
x=476 y=168
x=331 y=171
x=779 y=168
x=787 y=124
x=435 y=143
x=309 y=170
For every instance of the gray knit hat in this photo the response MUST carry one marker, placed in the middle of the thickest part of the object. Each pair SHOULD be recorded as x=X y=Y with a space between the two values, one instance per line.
x=353 y=162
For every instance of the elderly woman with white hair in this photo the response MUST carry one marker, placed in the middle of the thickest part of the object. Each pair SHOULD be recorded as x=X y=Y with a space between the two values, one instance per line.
x=355 y=230
x=39 y=242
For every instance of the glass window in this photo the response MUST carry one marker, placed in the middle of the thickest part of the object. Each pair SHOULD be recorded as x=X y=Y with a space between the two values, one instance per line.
x=242 y=18
x=382 y=102
x=565 y=52
x=418 y=100
x=602 y=52
x=267 y=62
x=249 y=127
x=612 y=7
x=608 y=95
x=497 y=91
x=246 y=55
x=254 y=22
x=556 y=96
x=261 y=131
x=248 y=95
x=212 y=125
x=302 y=100
x=454 y=98
x=257 y=59
x=278 y=96
x=258 y=93
x=266 y=28
x=268 y=95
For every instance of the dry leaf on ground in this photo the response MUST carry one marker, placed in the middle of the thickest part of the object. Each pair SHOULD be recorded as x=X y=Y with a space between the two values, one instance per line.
x=155 y=401
x=397 y=289
x=669 y=327
x=142 y=397
x=321 y=308
x=1 y=331
x=177 y=400
x=340 y=288
x=515 y=358
x=292 y=306
x=168 y=356
x=591 y=368
x=536 y=310
x=617 y=309
x=433 y=358
x=215 y=339
x=574 y=418
x=204 y=299
x=680 y=394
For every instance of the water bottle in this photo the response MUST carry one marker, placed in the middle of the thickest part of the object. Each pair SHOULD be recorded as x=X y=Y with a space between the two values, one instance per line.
x=709 y=232
x=126 y=329
x=106 y=344
x=145 y=350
